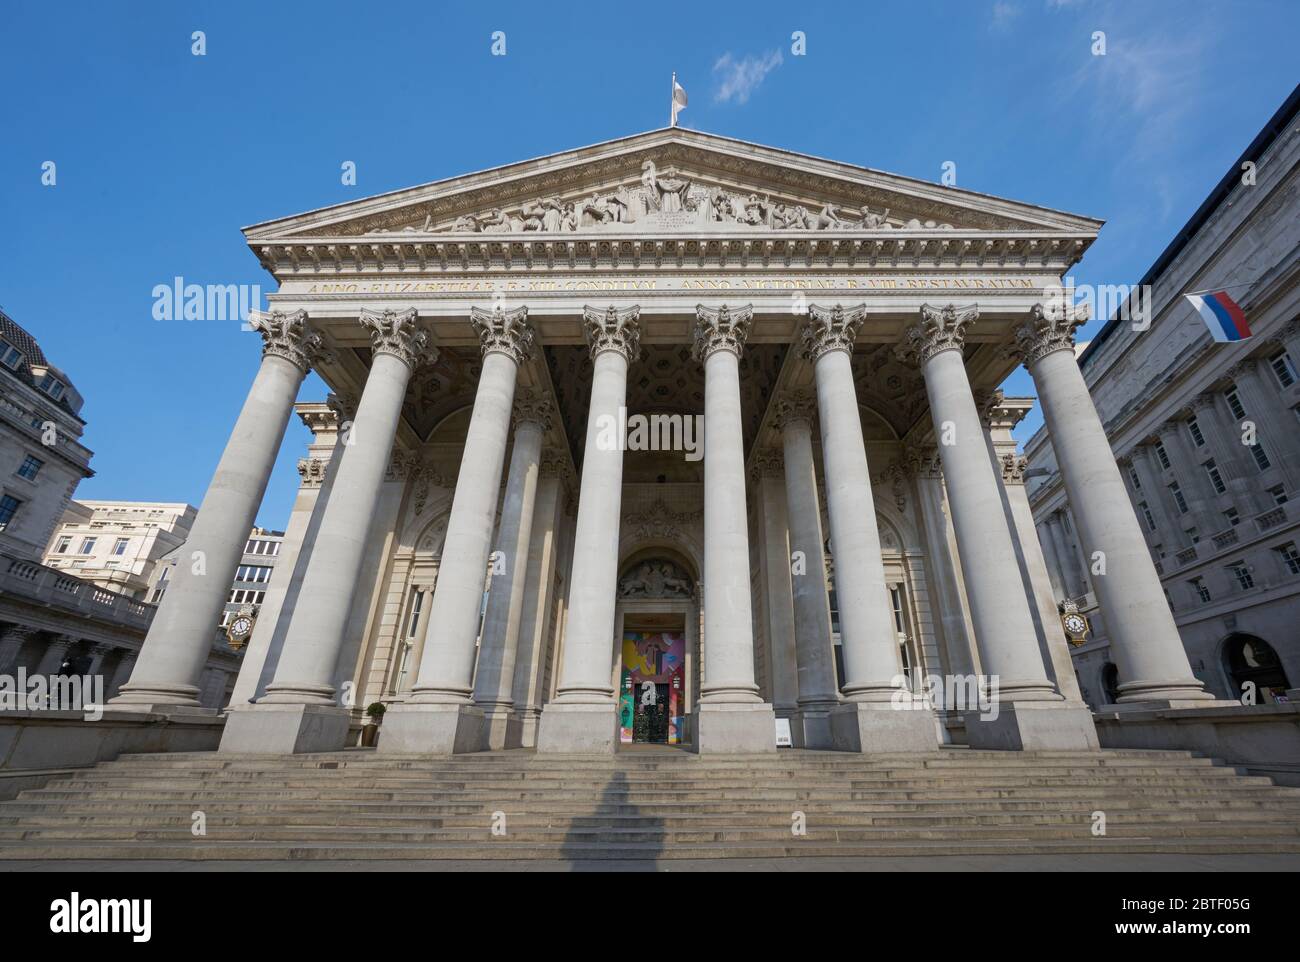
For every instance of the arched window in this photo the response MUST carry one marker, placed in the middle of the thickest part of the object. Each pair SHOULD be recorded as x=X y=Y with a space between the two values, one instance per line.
x=1110 y=682
x=1250 y=663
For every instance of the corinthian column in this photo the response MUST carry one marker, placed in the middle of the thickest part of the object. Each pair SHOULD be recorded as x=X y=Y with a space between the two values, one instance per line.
x=814 y=653
x=439 y=716
x=1153 y=665
x=500 y=641
x=730 y=716
x=168 y=670
x=1031 y=711
x=583 y=717
x=880 y=714
x=300 y=710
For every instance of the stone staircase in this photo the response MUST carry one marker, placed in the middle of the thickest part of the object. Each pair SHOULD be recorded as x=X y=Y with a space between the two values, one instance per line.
x=648 y=804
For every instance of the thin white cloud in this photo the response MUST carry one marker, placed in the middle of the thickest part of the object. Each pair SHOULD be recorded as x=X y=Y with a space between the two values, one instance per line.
x=1003 y=14
x=738 y=79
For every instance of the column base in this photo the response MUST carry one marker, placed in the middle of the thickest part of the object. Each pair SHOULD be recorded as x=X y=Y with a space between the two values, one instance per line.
x=578 y=728
x=1160 y=704
x=523 y=734
x=881 y=727
x=283 y=729
x=432 y=728
x=734 y=728
x=1031 y=727
x=812 y=728
x=158 y=698
x=500 y=729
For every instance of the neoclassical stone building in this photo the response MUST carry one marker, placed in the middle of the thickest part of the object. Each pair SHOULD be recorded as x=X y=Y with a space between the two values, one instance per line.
x=508 y=529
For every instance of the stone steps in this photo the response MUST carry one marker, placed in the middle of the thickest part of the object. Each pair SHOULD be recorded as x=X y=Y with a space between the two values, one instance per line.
x=667 y=804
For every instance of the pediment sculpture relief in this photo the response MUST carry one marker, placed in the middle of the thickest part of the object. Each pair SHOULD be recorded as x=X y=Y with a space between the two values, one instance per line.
x=656 y=578
x=666 y=199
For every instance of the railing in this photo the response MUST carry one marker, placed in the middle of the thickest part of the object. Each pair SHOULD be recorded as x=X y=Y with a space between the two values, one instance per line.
x=1186 y=556
x=39 y=584
x=1270 y=519
x=1225 y=538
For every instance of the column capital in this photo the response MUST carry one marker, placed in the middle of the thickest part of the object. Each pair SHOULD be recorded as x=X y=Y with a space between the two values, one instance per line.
x=504 y=332
x=343 y=406
x=1013 y=468
x=830 y=329
x=794 y=406
x=922 y=461
x=987 y=404
x=396 y=333
x=613 y=330
x=1246 y=365
x=721 y=329
x=288 y=335
x=767 y=463
x=534 y=407
x=1046 y=332
x=940 y=329
x=1202 y=401
x=312 y=471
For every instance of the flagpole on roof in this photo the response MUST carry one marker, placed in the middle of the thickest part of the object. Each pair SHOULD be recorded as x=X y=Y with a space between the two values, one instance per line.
x=672 y=99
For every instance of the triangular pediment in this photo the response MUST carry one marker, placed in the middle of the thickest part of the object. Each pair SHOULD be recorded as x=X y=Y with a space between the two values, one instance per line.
x=670 y=181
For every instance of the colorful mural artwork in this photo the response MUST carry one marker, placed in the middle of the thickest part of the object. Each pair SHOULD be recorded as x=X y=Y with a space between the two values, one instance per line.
x=652 y=693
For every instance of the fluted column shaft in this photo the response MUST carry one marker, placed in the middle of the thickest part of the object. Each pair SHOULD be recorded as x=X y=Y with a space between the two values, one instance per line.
x=496 y=662
x=1004 y=626
x=867 y=635
x=728 y=618
x=180 y=637
x=1152 y=662
x=447 y=663
x=812 y=614
x=614 y=338
x=305 y=671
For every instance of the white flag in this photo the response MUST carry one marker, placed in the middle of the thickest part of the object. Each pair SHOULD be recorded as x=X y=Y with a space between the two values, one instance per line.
x=679 y=99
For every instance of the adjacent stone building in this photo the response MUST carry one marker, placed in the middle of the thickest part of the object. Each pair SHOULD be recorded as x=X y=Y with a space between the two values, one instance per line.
x=118 y=544
x=1207 y=439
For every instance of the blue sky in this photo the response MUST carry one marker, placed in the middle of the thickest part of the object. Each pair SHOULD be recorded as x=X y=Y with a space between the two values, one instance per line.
x=162 y=156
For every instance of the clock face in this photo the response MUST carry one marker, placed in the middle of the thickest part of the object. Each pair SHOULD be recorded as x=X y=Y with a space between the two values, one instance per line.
x=241 y=626
x=1075 y=624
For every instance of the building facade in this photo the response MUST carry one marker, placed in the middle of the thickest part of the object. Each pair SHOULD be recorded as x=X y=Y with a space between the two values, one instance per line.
x=117 y=545
x=663 y=439
x=1207 y=439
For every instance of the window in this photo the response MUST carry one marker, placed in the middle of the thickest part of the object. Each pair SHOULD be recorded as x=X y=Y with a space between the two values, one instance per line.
x=1133 y=476
x=1234 y=404
x=1278 y=494
x=9 y=506
x=1179 y=500
x=1232 y=517
x=30 y=468
x=1194 y=430
x=119 y=546
x=1162 y=454
x=1283 y=368
x=10 y=356
x=1202 y=592
x=1146 y=514
x=417 y=603
x=255 y=573
x=1216 y=478
x=1261 y=459
x=88 y=545
x=63 y=544
x=1194 y=535
x=52 y=386
x=1239 y=571
x=1290 y=557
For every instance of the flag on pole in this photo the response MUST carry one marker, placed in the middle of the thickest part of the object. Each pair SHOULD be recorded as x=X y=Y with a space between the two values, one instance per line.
x=1222 y=315
x=679 y=99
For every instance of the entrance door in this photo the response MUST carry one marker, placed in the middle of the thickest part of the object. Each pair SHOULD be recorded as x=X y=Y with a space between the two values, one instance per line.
x=651 y=694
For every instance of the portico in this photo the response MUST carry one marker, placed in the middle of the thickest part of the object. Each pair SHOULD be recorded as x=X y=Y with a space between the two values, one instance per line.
x=486 y=563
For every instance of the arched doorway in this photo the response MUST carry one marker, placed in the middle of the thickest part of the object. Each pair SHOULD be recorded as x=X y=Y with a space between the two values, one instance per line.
x=656 y=657
x=1254 y=669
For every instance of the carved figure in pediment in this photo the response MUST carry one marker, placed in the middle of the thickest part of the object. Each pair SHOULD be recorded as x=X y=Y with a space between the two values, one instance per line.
x=570 y=217
x=655 y=579
x=531 y=217
x=552 y=214
x=872 y=221
x=828 y=219
x=756 y=211
x=787 y=217
x=722 y=207
x=594 y=210
x=496 y=222
x=467 y=223
x=668 y=193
